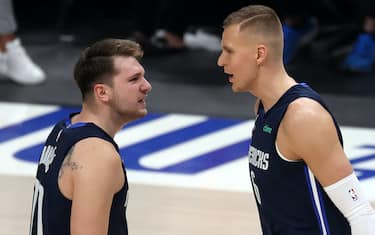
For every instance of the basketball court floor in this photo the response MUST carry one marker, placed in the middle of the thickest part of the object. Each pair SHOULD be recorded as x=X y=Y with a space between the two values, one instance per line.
x=186 y=160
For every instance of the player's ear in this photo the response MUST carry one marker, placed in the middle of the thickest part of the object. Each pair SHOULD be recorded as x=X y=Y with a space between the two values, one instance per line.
x=101 y=92
x=261 y=54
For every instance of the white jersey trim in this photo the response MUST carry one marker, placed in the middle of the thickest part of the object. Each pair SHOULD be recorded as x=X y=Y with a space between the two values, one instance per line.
x=282 y=156
x=317 y=202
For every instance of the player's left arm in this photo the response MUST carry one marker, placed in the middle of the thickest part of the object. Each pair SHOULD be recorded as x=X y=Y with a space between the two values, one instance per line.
x=312 y=136
x=94 y=186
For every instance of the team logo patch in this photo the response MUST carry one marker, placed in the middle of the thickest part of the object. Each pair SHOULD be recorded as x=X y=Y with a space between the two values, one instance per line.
x=267 y=129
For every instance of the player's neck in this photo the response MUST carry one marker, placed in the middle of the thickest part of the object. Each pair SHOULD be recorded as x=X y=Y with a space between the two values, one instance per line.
x=101 y=118
x=273 y=87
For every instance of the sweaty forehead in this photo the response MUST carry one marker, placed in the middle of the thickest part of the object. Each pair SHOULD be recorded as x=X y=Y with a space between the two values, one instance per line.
x=128 y=64
x=231 y=30
x=248 y=34
x=120 y=61
x=234 y=37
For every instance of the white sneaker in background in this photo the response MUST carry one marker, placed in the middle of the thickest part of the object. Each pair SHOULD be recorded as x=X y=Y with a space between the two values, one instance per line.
x=16 y=64
x=202 y=40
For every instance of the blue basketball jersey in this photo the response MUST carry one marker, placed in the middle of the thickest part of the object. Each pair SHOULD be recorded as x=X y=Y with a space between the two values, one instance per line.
x=289 y=198
x=50 y=208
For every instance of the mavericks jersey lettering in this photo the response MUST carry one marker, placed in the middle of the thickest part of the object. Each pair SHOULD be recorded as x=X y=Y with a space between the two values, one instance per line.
x=50 y=208
x=289 y=198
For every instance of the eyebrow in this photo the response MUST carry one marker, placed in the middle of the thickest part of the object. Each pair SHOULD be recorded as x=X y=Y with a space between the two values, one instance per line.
x=135 y=75
x=226 y=48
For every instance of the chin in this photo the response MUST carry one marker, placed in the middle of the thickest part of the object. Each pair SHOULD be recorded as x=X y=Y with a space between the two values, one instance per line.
x=135 y=115
x=142 y=113
x=236 y=89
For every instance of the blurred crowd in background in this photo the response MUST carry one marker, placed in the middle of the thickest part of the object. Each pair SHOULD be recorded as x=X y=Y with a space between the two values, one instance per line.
x=340 y=32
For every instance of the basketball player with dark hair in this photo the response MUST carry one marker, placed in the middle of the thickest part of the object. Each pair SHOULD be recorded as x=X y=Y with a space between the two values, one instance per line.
x=302 y=180
x=81 y=185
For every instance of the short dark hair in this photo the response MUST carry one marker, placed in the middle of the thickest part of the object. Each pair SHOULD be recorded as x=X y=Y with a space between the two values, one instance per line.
x=95 y=63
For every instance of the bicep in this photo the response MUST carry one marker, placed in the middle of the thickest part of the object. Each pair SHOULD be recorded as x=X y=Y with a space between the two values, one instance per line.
x=314 y=138
x=93 y=190
x=90 y=208
x=326 y=159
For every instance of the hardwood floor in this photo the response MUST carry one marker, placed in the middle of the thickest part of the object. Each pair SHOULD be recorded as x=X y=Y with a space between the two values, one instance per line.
x=152 y=210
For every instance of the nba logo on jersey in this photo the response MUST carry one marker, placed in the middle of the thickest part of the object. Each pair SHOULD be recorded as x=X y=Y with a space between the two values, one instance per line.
x=353 y=194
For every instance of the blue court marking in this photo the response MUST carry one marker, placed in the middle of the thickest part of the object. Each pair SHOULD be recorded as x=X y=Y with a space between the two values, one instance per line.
x=34 y=124
x=211 y=159
x=364 y=173
x=32 y=153
x=131 y=154
x=49 y=119
x=147 y=118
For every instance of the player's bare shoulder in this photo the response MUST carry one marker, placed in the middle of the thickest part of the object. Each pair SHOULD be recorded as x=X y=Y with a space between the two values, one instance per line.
x=307 y=113
x=306 y=120
x=100 y=155
x=69 y=164
x=89 y=157
x=307 y=126
x=92 y=151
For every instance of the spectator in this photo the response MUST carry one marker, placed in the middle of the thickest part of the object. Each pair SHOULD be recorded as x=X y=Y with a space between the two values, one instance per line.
x=15 y=63
x=166 y=27
x=362 y=55
x=299 y=28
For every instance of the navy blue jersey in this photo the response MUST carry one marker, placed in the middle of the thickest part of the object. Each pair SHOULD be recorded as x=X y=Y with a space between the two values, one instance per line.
x=290 y=200
x=50 y=208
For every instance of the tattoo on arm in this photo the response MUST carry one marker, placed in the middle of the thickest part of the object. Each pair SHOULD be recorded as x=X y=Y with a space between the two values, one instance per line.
x=68 y=163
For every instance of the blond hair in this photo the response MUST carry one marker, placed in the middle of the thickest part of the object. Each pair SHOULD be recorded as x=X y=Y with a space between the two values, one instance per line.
x=260 y=21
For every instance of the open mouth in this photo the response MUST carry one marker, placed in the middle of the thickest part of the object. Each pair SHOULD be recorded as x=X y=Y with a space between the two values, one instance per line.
x=230 y=77
x=142 y=101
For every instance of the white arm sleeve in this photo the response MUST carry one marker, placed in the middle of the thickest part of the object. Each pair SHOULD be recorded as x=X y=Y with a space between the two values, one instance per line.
x=346 y=194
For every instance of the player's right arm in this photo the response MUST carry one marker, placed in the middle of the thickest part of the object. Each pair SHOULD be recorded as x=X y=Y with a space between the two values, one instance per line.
x=96 y=175
x=308 y=132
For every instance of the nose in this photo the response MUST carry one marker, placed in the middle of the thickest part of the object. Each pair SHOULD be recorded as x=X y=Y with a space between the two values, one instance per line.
x=146 y=86
x=220 y=60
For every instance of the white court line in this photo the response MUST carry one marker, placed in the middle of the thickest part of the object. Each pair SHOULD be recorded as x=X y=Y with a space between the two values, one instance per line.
x=13 y=113
x=231 y=176
x=11 y=165
x=148 y=130
x=198 y=146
